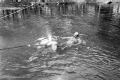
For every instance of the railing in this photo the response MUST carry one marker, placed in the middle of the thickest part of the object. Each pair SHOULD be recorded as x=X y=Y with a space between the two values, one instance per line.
x=9 y=12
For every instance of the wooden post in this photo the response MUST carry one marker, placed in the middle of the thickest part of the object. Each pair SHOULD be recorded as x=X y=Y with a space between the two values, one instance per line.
x=118 y=8
x=99 y=10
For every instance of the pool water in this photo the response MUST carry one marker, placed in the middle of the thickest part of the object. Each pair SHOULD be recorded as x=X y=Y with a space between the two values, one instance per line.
x=98 y=59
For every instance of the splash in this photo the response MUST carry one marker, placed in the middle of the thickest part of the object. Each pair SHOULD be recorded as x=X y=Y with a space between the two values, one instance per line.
x=50 y=36
x=49 y=33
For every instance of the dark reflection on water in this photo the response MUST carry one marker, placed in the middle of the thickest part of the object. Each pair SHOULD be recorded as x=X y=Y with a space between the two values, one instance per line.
x=98 y=59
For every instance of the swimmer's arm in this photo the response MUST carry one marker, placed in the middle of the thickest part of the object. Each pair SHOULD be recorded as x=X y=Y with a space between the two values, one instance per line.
x=57 y=37
x=65 y=37
x=81 y=34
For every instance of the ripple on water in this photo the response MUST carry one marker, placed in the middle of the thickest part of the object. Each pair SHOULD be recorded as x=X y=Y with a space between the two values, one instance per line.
x=81 y=62
x=75 y=64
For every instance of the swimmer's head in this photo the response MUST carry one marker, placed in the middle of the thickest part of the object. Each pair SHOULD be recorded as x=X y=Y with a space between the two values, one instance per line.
x=76 y=35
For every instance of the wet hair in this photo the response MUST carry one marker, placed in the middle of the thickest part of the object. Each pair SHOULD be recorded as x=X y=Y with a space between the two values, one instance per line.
x=76 y=35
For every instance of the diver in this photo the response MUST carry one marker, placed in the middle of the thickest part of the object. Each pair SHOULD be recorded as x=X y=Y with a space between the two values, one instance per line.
x=73 y=40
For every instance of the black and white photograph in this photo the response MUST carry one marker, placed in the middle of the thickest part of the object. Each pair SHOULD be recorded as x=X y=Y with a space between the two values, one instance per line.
x=59 y=39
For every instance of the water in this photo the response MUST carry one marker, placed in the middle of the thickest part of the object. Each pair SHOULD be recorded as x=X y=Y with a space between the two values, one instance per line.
x=98 y=59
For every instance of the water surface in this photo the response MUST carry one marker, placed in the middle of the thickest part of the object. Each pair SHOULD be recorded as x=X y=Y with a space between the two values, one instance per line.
x=98 y=59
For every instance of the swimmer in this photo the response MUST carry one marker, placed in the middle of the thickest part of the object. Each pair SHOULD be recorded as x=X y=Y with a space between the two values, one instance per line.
x=74 y=40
